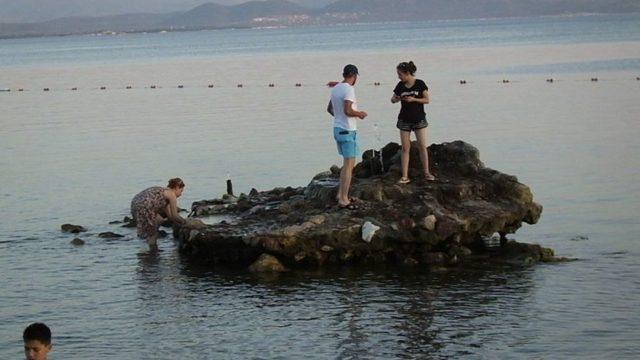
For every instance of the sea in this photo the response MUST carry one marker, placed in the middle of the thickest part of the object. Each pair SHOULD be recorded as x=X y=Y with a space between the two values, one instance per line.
x=128 y=111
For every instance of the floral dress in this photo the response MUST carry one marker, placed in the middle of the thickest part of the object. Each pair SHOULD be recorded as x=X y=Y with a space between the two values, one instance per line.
x=145 y=208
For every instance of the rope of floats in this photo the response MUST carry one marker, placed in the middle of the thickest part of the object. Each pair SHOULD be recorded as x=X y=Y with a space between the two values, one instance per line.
x=299 y=85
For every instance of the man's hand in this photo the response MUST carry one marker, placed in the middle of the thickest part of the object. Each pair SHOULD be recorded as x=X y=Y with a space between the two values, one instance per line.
x=362 y=115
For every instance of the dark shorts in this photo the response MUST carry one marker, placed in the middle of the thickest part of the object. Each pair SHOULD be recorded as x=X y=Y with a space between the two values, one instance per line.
x=411 y=126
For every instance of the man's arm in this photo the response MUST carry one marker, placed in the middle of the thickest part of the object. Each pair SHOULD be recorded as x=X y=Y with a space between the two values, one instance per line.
x=330 y=108
x=349 y=111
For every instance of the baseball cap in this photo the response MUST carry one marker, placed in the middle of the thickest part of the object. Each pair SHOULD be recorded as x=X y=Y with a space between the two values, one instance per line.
x=350 y=70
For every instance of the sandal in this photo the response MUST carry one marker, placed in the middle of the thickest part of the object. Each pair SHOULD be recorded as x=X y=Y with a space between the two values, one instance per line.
x=347 y=207
x=404 y=180
x=429 y=177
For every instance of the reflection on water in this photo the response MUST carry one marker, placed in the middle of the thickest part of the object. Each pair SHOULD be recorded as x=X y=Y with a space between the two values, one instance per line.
x=345 y=313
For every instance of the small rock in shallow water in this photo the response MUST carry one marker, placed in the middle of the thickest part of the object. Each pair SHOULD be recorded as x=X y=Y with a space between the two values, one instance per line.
x=110 y=235
x=115 y=222
x=267 y=263
x=74 y=229
x=77 y=242
x=162 y=234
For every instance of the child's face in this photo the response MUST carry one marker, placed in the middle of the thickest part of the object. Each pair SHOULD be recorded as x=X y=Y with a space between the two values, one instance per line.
x=35 y=350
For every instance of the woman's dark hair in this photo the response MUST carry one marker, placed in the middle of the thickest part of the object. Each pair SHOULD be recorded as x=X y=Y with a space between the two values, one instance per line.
x=176 y=183
x=37 y=331
x=407 y=67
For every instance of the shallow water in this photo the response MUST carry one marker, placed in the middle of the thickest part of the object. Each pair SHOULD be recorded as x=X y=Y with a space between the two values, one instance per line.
x=79 y=157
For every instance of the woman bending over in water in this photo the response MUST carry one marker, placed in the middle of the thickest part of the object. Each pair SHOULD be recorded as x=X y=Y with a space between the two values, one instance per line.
x=153 y=206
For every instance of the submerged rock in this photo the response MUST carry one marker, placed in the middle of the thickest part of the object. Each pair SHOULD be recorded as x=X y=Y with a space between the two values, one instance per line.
x=110 y=235
x=267 y=263
x=77 y=242
x=74 y=229
x=434 y=223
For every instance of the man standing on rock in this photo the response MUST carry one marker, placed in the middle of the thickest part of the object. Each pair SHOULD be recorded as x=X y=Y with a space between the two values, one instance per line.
x=343 y=107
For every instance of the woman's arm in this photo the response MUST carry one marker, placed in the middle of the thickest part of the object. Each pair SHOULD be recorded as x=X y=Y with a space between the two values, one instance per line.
x=172 y=210
x=423 y=100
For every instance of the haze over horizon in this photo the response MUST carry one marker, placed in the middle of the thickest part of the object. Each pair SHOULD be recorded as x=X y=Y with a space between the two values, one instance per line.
x=26 y=11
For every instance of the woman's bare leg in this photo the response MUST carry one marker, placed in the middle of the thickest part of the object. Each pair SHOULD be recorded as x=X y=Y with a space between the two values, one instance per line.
x=421 y=135
x=405 y=140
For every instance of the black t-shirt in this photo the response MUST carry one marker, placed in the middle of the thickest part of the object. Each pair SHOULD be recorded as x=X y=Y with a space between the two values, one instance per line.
x=411 y=112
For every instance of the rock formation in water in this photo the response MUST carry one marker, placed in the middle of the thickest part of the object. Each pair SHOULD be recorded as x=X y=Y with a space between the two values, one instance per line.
x=453 y=221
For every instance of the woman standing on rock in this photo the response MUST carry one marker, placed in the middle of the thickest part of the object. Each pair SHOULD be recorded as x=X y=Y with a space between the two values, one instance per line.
x=153 y=206
x=413 y=94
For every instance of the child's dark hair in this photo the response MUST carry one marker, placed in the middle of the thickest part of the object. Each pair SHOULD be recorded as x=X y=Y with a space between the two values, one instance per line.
x=39 y=332
x=407 y=67
x=176 y=183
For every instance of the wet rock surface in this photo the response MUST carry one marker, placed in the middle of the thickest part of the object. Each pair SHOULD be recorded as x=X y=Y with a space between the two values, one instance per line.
x=441 y=223
x=74 y=229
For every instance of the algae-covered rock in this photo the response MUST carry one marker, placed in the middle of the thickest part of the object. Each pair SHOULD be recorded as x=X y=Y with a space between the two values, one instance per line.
x=437 y=223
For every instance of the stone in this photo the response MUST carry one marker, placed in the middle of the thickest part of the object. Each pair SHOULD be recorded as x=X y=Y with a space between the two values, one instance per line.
x=193 y=223
x=435 y=258
x=267 y=263
x=317 y=219
x=326 y=248
x=410 y=262
x=74 y=229
x=115 y=222
x=429 y=222
x=110 y=235
x=162 y=234
x=335 y=169
x=77 y=242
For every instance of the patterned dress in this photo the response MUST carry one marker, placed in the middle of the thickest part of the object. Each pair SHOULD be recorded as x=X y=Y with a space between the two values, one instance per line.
x=145 y=207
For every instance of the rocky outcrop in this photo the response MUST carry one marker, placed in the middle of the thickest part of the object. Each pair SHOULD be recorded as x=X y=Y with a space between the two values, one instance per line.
x=446 y=222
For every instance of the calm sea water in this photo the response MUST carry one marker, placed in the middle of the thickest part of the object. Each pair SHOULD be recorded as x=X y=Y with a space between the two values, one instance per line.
x=79 y=157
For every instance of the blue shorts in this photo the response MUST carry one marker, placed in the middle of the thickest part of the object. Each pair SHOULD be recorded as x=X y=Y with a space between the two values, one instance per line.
x=347 y=142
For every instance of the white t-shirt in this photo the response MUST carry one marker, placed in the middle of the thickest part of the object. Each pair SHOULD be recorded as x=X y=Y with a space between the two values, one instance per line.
x=339 y=94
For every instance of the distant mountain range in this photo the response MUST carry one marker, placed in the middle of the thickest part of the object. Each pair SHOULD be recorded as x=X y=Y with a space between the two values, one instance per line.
x=287 y=13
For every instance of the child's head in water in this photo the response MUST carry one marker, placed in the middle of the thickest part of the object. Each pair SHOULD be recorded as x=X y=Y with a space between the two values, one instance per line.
x=37 y=341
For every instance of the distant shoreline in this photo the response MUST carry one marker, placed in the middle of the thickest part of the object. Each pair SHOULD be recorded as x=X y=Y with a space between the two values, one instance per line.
x=106 y=32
